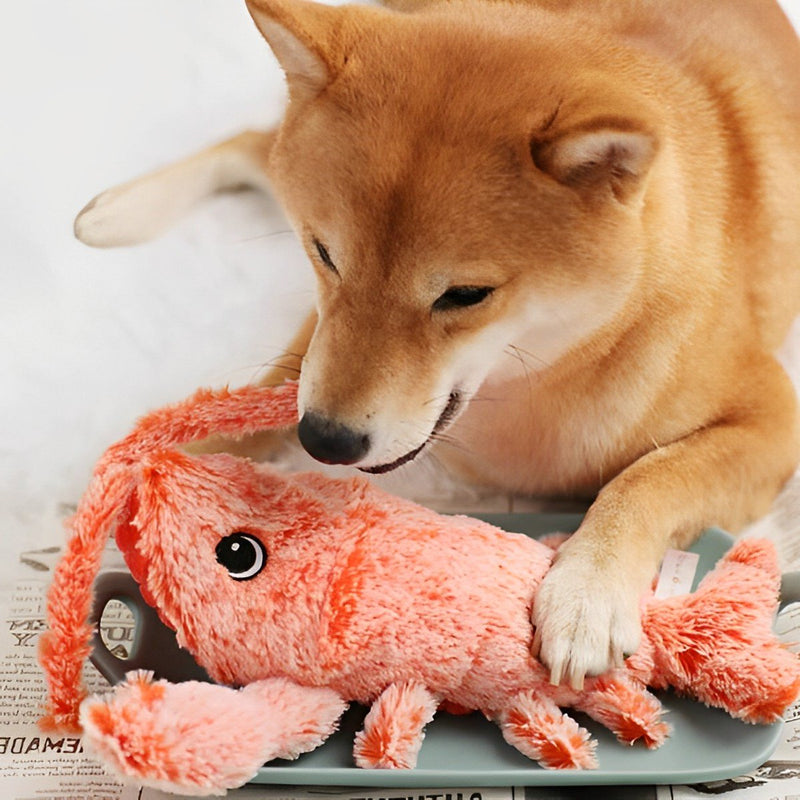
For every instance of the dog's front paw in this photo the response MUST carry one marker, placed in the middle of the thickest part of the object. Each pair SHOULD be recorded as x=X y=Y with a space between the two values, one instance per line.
x=587 y=618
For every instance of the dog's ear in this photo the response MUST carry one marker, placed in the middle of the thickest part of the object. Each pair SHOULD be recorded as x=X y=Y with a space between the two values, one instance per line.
x=306 y=39
x=603 y=155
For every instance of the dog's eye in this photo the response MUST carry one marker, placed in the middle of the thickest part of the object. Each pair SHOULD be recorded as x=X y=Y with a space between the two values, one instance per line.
x=242 y=555
x=324 y=255
x=462 y=296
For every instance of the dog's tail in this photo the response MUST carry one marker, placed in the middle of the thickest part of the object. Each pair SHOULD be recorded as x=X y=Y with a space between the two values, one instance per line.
x=110 y=500
x=717 y=644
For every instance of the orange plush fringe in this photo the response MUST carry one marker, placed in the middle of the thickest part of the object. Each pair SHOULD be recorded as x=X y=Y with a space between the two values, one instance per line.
x=109 y=502
x=66 y=645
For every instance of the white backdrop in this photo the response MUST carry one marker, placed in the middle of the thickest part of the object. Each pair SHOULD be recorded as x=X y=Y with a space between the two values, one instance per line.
x=93 y=93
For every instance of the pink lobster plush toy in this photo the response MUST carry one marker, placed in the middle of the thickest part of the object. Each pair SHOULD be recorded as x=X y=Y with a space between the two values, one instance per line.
x=307 y=593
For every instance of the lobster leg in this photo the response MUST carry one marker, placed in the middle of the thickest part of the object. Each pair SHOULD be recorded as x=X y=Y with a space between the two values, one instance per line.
x=538 y=728
x=626 y=708
x=395 y=727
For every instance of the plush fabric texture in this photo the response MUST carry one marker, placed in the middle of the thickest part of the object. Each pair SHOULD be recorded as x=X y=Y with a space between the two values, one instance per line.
x=190 y=736
x=311 y=593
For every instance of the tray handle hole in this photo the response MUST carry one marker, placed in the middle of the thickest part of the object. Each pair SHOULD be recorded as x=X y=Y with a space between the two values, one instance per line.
x=118 y=629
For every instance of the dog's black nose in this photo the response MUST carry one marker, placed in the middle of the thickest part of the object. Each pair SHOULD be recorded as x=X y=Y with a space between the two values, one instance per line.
x=330 y=442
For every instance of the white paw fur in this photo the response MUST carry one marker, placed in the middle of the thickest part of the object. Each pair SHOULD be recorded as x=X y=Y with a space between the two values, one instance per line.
x=587 y=619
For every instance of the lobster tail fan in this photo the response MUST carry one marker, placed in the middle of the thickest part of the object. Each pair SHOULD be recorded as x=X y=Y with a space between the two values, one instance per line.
x=66 y=645
x=717 y=644
x=225 y=412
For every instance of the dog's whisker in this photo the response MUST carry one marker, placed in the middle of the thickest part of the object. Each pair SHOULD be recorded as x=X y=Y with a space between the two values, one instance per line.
x=285 y=354
x=518 y=353
x=436 y=399
x=264 y=236
x=441 y=471
x=523 y=356
x=454 y=444
x=277 y=363
x=444 y=437
x=487 y=399
x=466 y=427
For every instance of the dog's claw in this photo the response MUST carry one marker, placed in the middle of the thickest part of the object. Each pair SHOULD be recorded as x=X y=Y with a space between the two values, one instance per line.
x=576 y=680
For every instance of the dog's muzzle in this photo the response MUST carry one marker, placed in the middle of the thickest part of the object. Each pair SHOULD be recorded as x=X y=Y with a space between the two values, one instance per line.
x=445 y=418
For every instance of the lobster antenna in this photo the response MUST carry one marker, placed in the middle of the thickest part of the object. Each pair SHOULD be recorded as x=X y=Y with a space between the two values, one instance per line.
x=65 y=647
x=233 y=413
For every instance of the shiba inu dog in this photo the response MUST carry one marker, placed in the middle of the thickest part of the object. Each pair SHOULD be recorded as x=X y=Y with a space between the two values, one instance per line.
x=565 y=232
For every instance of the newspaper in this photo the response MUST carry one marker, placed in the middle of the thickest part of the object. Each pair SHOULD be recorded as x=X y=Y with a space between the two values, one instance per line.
x=34 y=764
x=54 y=767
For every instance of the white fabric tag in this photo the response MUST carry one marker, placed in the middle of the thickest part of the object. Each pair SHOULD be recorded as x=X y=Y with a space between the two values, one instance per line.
x=677 y=574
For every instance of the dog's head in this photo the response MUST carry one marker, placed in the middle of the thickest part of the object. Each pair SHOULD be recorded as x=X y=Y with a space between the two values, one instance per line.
x=461 y=181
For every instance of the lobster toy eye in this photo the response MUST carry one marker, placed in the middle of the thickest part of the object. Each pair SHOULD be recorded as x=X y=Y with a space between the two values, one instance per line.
x=242 y=555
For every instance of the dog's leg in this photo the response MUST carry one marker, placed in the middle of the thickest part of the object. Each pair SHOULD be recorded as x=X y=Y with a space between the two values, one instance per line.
x=143 y=208
x=587 y=609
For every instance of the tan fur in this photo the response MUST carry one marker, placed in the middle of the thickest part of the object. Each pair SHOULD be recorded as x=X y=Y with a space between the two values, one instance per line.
x=625 y=176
